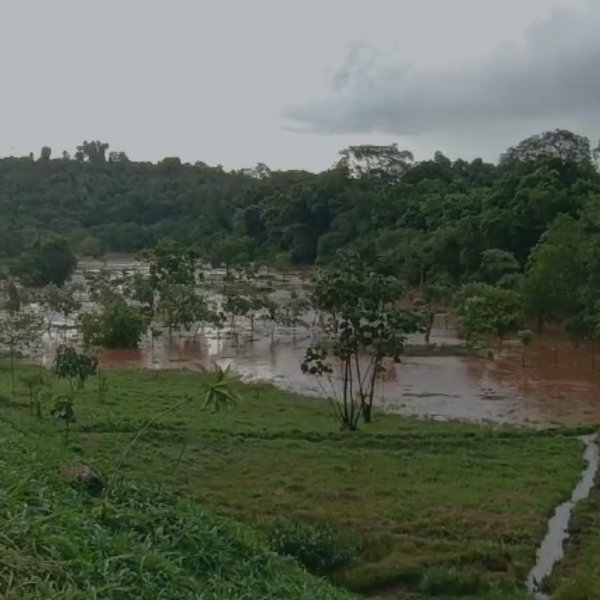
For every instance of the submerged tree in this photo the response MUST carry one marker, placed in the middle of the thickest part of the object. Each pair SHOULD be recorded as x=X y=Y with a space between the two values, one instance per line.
x=48 y=260
x=19 y=331
x=529 y=224
x=526 y=337
x=229 y=251
x=173 y=279
x=487 y=310
x=171 y=263
x=117 y=326
x=92 y=247
x=366 y=327
x=431 y=297
x=181 y=307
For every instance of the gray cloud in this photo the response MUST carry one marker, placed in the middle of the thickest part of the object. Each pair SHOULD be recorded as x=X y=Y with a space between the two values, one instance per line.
x=552 y=76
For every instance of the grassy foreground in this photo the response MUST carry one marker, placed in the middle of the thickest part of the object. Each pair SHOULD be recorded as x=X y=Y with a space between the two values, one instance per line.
x=56 y=543
x=429 y=509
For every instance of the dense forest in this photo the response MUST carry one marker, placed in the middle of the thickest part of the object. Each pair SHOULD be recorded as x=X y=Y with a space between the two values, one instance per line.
x=530 y=221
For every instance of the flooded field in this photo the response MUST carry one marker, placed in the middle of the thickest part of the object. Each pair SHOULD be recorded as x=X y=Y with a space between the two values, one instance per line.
x=560 y=384
x=437 y=386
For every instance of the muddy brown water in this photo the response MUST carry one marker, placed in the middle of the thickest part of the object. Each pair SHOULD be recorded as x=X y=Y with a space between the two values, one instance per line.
x=544 y=392
x=560 y=384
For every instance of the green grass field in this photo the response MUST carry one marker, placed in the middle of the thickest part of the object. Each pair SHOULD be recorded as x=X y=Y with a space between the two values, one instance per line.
x=60 y=544
x=429 y=509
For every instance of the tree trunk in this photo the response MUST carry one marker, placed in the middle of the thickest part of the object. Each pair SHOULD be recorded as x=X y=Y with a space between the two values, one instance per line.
x=12 y=370
x=367 y=412
x=540 y=324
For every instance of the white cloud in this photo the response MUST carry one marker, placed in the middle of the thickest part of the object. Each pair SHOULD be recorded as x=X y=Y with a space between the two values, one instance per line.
x=548 y=80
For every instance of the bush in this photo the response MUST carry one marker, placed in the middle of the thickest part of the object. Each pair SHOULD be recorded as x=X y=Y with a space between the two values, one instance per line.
x=47 y=261
x=118 y=326
x=441 y=581
x=320 y=549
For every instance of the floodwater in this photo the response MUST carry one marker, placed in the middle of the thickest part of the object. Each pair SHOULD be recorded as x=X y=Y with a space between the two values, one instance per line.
x=559 y=384
x=545 y=392
x=551 y=550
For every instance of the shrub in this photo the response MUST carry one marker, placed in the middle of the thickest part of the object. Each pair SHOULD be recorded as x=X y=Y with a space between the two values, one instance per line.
x=118 y=326
x=320 y=549
x=440 y=581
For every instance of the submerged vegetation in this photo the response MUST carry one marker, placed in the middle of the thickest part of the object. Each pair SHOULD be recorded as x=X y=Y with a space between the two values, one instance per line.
x=331 y=488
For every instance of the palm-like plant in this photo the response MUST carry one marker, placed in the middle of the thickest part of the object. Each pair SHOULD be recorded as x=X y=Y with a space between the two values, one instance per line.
x=219 y=395
x=216 y=394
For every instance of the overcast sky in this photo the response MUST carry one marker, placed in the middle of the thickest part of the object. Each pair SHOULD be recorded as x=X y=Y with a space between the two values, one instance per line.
x=290 y=83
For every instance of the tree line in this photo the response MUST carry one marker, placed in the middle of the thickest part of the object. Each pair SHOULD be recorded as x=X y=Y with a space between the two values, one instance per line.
x=528 y=224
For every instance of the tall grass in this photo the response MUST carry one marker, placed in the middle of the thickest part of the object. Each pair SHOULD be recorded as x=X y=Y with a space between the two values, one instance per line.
x=58 y=543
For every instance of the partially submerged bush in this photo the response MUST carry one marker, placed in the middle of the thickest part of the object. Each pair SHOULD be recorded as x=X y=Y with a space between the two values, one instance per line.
x=118 y=326
x=319 y=548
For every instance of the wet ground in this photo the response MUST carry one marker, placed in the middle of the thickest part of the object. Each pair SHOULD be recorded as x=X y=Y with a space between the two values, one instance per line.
x=560 y=384
x=551 y=550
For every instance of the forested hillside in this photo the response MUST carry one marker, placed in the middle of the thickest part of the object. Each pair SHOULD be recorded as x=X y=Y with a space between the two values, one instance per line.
x=439 y=219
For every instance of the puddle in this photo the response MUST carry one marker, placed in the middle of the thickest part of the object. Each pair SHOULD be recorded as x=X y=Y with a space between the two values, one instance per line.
x=551 y=550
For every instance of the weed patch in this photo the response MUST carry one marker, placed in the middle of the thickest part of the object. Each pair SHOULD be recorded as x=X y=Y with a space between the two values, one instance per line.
x=319 y=548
